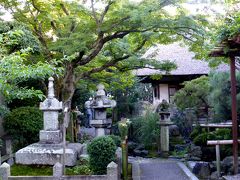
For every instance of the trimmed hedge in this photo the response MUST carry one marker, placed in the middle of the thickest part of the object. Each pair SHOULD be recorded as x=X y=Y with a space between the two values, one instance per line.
x=101 y=152
x=23 y=124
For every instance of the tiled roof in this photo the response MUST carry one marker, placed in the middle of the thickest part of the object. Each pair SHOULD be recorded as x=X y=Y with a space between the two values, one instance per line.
x=183 y=58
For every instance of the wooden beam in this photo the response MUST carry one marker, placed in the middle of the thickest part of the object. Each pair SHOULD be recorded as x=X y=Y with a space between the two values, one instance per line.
x=221 y=142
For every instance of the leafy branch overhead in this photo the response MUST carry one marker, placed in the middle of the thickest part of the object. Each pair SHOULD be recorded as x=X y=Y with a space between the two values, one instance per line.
x=90 y=37
x=15 y=67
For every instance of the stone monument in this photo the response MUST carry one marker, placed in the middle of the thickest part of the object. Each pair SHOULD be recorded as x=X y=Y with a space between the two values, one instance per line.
x=49 y=150
x=164 y=122
x=100 y=104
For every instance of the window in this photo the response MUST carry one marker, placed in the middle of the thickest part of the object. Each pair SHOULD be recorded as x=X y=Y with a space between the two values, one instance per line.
x=172 y=90
x=156 y=92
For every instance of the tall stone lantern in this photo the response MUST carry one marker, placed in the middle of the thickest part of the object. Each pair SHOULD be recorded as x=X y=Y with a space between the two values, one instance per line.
x=50 y=107
x=100 y=104
x=164 y=122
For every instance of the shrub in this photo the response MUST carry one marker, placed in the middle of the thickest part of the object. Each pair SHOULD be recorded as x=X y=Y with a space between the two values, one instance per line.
x=201 y=140
x=196 y=131
x=101 y=152
x=146 y=129
x=223 y=134
x=116 y=139
x=23 y=124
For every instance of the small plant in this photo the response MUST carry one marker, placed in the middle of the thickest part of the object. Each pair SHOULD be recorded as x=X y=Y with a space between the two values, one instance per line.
x=196 y=131
x=146 y=129
x=79 y=170
x=123 y=127
x=201 y=139
x=101 y=152
x=85 y=138
x=179 y=154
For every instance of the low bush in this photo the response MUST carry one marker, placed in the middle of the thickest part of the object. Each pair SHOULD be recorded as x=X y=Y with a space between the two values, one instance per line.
x=101 y=152
x=23 y=124
x=201 y=139
x=196 y=131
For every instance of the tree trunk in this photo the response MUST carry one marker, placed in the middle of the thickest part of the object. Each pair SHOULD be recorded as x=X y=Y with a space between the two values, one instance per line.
x=68 y=85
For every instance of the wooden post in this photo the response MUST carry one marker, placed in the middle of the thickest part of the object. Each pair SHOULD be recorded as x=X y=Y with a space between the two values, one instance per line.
x=125 y=159
x=218 y=160
x=65 y=125
x=234 y=114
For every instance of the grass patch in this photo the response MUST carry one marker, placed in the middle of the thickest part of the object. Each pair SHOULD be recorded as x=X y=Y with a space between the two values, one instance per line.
x=31 y=170
x=82 y=168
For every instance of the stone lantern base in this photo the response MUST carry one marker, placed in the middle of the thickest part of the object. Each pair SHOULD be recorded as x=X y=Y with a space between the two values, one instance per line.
x=101 y=126
x=164 y=137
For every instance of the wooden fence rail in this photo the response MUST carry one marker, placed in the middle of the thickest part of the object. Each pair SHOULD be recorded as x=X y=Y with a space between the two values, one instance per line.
x=217 y=144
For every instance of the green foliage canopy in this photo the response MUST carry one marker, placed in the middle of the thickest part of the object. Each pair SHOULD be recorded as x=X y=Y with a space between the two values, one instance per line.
x=194 y=94
x=87 y=40
x=17 y=47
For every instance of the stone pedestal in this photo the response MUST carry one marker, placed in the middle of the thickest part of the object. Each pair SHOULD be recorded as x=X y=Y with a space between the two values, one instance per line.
x=164 y=136
x=100 y=126
x=46 y=154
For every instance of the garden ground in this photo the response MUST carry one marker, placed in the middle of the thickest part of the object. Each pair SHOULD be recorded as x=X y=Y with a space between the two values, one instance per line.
x=160 y=169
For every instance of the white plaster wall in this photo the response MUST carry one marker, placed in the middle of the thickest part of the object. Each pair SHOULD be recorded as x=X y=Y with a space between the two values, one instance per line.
x=164 y=93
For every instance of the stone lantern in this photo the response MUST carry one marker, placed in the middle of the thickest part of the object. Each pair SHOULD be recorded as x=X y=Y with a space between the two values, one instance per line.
x=50 y=107
x=100 y=104
x=164 y=122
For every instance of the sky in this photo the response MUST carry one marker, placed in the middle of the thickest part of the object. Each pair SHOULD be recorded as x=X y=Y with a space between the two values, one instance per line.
x=193 y=8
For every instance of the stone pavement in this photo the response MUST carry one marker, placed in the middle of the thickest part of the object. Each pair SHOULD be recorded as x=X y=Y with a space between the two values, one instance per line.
x=159 y=169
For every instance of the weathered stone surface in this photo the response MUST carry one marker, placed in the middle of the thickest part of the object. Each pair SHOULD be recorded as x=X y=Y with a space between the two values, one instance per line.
x=100 y=132
x=174 y=130
x=50 y=136
x=58 y=170
x=140 y=147
x=4 y=171
x=100 y=123
x=45 y=154
x=78 y=147
x=214 y=176
x=50 y=120
x=100 y=114
x=191 y=164
x=112 y=171
x=164 y=138
x=136 y=152
x=202 y=170
x=227 y=165
x=194 y=153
